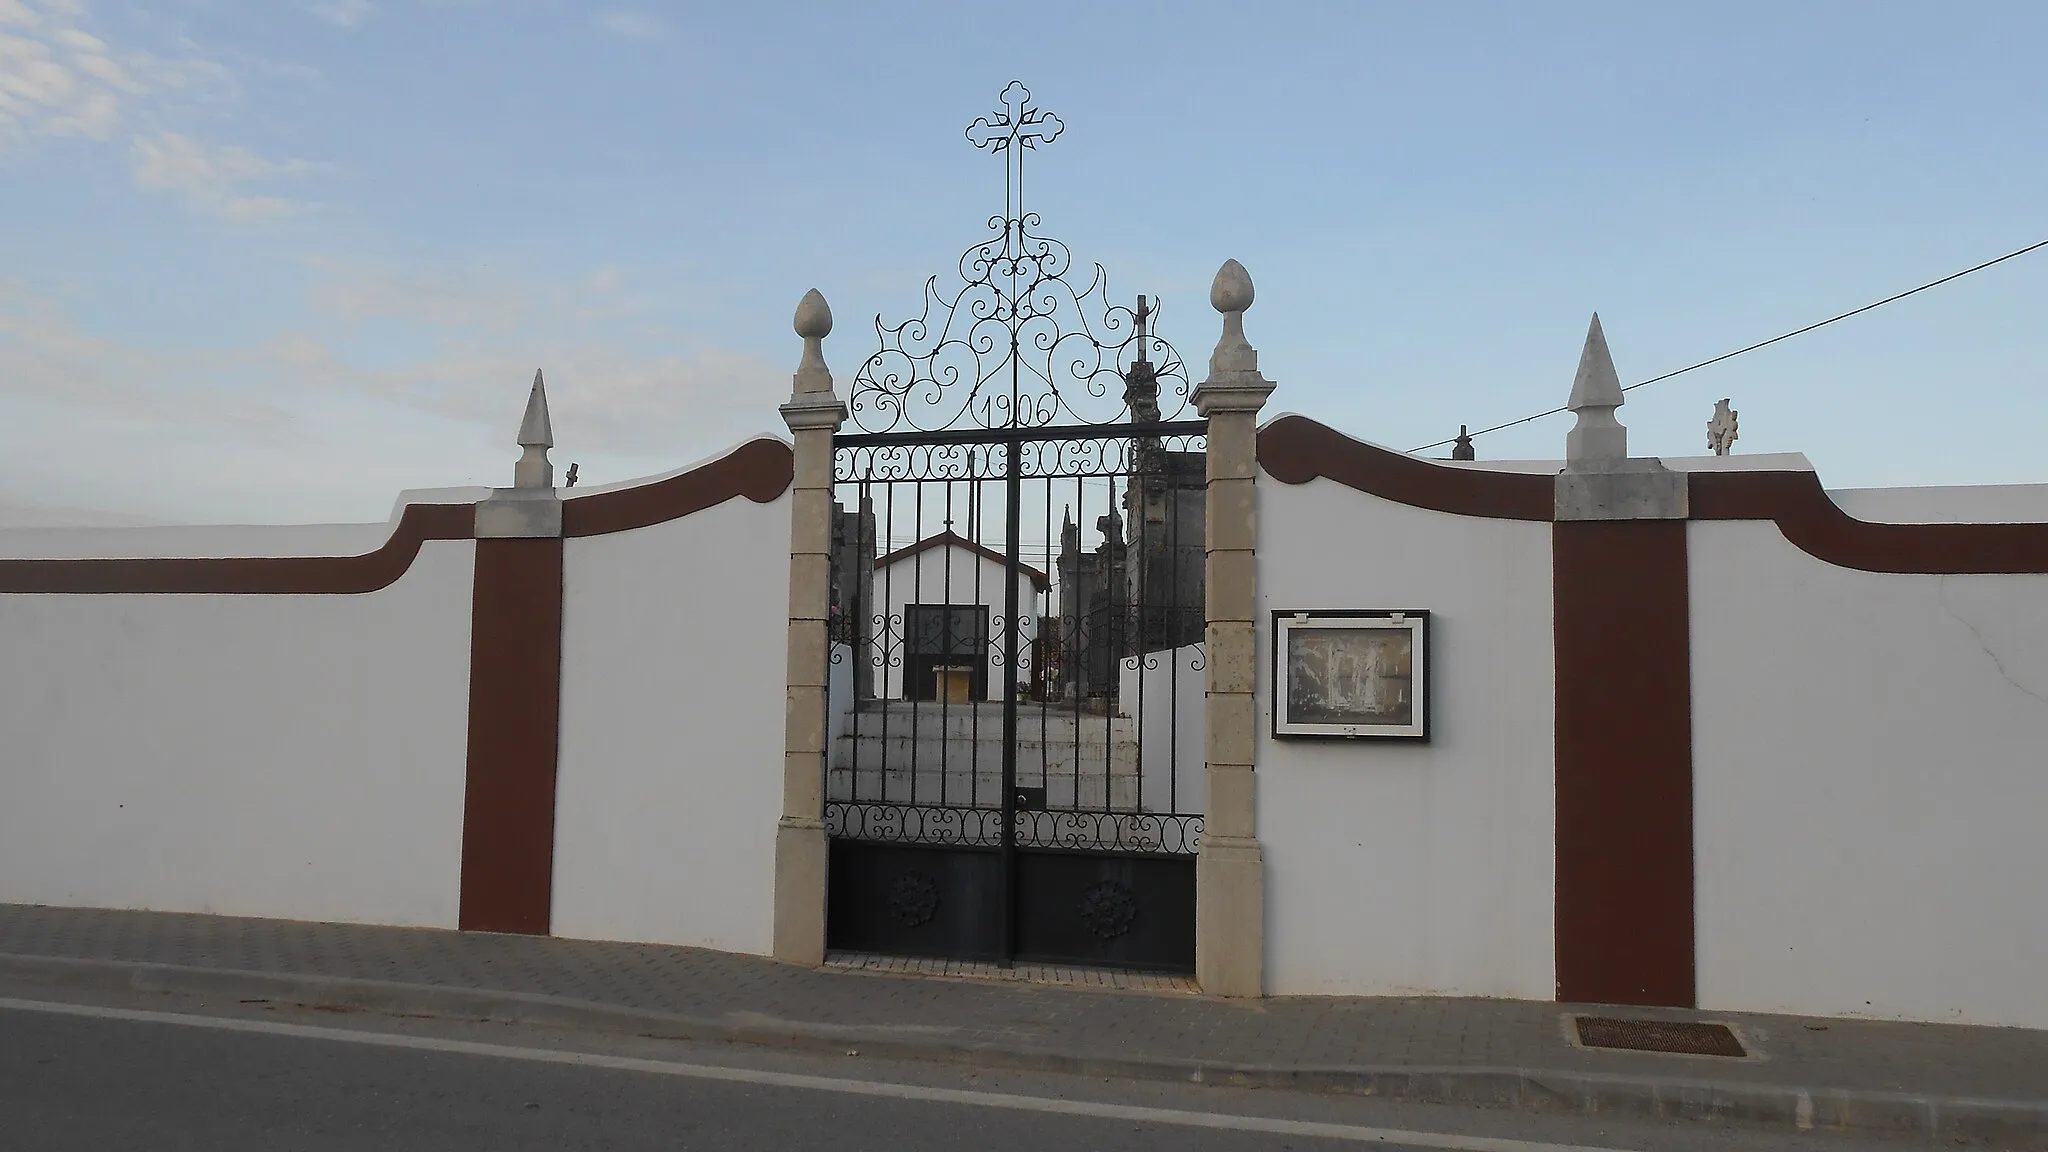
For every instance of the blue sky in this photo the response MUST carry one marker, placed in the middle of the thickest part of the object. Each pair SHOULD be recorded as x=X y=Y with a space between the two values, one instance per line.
x=277 y=261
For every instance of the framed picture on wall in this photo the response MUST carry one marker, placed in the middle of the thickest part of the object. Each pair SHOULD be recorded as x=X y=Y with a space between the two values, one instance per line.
x=1358 y=675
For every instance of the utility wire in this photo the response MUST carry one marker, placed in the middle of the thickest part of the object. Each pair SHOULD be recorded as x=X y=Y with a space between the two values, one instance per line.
x=1761 y=344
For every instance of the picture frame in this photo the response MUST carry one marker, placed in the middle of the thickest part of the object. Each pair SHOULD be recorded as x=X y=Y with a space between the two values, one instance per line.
x=1351 y=675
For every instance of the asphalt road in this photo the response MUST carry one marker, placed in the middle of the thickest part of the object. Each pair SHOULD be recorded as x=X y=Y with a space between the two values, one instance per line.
x=161 y=1073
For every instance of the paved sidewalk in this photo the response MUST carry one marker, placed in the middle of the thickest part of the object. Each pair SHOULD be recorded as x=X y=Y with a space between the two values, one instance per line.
x=1943 y=1080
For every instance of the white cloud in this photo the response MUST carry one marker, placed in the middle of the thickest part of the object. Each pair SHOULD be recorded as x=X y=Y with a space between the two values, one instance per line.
x=632 y=25
x=79 y=40
x=166 y=76
x=44 y=355
x=211 y=175
x=287 y=428
x=59 y=79
x=490 y=335
x=93 y=117
x=448 y=298
x=341 y=13
x=106 y=70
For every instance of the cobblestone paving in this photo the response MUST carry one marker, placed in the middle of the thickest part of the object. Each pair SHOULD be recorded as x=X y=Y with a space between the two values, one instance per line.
x=1065 y=1015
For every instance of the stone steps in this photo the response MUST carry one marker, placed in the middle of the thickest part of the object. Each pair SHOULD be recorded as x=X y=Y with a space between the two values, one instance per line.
x=931 y=753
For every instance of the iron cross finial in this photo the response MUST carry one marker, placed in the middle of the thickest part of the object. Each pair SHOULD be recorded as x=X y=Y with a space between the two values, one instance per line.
x=1019 y=127
x=1019 y=124
x=1144 y=313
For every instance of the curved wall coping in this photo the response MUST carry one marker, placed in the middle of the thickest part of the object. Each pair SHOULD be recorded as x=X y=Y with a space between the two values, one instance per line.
x=1754 y=462
x=760 y=469
x=349 y=559
x=1946 y=504
x=1294 y=449
x=219 y=541
x=460 y=494
x=196 y=541
x=242 y=575
x=585 y=491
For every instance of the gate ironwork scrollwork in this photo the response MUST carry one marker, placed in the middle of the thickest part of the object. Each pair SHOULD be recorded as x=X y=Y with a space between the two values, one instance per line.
x=1078 y=800
x=1016 y=343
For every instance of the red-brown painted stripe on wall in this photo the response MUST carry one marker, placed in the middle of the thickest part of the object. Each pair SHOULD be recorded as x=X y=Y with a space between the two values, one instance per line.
x=1624 y=886
x=1623 y=900
x=515 y=684
x=515 y=647
x=515 y=681
x=1625 y=882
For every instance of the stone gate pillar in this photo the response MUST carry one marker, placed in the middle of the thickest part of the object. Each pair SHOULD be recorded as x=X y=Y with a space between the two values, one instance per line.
x=813 y=414
x=1230 y=934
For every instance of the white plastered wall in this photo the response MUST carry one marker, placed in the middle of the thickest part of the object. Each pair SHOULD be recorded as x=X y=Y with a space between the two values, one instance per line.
x=669 y=785
x=1169 y=700
x=1409 y=869
x=1870 y=767
x=251 y=755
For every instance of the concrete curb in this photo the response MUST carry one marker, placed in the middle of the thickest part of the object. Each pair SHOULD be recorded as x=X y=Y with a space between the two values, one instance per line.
x=1531 y=1089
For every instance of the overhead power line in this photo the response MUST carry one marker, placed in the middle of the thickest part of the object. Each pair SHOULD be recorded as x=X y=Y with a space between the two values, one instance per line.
x=1763 y=343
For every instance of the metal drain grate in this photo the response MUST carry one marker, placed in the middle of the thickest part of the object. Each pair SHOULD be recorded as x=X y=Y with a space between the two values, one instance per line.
x=1677 y=1037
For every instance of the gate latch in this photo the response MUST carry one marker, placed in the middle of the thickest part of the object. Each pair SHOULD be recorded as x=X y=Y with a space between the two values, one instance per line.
x=1030 y=799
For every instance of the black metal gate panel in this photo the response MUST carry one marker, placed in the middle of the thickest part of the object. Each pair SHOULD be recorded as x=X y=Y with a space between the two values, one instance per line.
x=1015 y=753
x=1028 y=789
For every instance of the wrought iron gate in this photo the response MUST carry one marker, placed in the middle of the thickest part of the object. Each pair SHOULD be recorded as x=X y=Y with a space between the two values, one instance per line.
x=1015 y=763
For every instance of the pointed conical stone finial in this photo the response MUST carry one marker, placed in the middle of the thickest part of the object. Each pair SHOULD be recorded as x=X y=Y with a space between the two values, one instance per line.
x=536 y=436
x=531 y=508
x=1600 y=481
x=1598 y=438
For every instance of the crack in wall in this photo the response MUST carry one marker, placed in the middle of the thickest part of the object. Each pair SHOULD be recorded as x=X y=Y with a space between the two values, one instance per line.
x=1976 y=633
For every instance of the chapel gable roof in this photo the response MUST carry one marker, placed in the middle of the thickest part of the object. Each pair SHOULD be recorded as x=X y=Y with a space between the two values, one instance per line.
x=949 y=538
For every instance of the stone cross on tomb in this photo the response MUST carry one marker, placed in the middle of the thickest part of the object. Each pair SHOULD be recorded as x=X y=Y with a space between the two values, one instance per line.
x=1721 y=433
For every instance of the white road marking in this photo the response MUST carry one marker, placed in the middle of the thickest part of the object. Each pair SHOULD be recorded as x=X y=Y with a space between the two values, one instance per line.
x=1125 y=1112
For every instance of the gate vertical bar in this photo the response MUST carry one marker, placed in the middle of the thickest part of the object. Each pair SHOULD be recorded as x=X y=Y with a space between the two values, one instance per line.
x=1013 y=515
